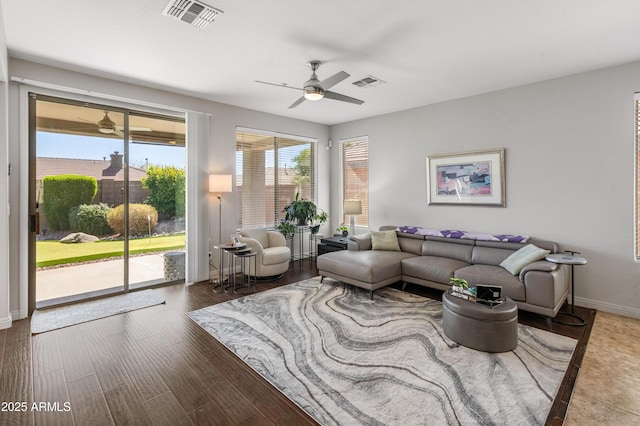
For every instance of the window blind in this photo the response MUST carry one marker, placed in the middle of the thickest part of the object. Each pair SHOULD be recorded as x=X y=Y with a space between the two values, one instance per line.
x=271 y=169
x=355 y=175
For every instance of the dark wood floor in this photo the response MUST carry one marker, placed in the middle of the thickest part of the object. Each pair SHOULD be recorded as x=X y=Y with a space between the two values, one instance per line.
x=155 y=366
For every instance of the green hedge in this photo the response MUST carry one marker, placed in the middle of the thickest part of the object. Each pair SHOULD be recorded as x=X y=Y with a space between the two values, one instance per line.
x=62 y=193
x=90 y=219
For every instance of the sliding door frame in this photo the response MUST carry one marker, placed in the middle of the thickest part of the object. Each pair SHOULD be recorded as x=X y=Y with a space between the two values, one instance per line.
x=196 y=161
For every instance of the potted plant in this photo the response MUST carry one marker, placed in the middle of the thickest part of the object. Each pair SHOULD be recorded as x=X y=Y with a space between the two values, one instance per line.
x=461 y=283
x=460 y=288
x=319 y=220
x=301 y=210
x=344 y=229
x=286 y=228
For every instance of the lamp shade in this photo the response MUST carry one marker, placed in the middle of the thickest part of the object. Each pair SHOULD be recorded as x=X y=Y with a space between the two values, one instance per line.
x=352 y=207
x=220 y=183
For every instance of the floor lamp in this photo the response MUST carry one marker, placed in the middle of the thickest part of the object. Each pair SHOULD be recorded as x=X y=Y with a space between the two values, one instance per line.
x=352 y=207
x=219 y=184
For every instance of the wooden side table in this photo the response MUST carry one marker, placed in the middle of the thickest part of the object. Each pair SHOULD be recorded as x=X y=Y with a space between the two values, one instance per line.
x=570 y=258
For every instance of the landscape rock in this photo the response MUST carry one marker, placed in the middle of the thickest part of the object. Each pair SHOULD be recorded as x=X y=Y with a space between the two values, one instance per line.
x=79 y=237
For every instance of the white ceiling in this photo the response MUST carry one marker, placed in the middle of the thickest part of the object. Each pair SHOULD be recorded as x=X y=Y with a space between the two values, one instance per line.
x=426 y=50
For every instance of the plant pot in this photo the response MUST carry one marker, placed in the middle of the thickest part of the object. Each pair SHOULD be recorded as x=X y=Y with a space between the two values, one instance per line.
x=345 y=233
x=315 y=229
x=302 y=222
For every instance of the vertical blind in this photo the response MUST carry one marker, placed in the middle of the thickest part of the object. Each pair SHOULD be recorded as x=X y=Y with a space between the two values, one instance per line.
x=355 y=175
x=271 y=169
x=637 y=174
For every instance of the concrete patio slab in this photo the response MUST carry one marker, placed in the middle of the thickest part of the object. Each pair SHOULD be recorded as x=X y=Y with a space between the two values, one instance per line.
x=73 y=280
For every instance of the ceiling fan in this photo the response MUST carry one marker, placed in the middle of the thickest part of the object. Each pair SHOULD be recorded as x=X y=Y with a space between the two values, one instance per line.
x=108 y=126
x=314 y=89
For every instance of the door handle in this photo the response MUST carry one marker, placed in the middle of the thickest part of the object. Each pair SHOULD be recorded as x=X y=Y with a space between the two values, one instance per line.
x=34 y=223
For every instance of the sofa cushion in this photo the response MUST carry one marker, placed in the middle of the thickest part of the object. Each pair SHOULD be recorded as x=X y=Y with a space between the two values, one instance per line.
x=451 y=250
x=490 y=255
x=493 y=275
x=521 y=258
x=432 y=268
x=410 y=245
x=384 y=240
x=368 y=266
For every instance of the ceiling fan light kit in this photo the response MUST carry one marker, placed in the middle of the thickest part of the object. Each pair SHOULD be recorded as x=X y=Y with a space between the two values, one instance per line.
x=106 y=125
x=312 y=93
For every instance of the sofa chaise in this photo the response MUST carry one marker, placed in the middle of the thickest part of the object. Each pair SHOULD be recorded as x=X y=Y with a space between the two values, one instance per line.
x=431 y=261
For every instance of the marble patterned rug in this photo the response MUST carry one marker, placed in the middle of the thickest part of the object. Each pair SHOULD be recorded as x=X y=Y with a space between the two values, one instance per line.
x=346 y=359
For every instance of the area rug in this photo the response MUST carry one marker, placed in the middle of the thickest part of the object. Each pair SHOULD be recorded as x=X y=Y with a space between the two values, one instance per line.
x=65 y=316
x=346 y=359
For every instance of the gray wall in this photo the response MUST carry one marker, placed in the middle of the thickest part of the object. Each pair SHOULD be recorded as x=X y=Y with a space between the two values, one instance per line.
x=569 y=171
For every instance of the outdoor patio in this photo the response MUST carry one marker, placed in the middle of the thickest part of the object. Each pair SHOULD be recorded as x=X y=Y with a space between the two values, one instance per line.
x=72 y=280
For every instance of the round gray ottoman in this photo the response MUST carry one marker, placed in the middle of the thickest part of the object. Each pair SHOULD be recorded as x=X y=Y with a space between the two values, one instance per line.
x=479 y=326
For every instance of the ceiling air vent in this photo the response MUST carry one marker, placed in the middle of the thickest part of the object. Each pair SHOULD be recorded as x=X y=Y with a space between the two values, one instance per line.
x=192 y=12
x=369 y=81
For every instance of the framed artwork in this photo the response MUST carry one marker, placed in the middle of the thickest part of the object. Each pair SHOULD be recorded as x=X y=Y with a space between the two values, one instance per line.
x=467 y=178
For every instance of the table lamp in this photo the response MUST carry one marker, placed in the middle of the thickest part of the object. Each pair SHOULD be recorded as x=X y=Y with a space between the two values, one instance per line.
x=352 y=207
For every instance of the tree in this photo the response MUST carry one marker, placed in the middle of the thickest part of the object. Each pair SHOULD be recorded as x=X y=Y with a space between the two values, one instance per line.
x=166 y=186
x=302 y=168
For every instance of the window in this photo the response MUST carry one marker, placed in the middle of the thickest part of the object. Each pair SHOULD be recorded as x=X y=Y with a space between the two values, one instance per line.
x=271 y=169
x=355 y=175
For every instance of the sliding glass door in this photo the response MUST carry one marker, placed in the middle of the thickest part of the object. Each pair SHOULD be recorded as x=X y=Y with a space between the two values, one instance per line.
x=106 y=200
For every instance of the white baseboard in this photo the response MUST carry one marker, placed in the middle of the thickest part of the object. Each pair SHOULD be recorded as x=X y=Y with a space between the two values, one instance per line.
x=5 y=322
x=625 y=311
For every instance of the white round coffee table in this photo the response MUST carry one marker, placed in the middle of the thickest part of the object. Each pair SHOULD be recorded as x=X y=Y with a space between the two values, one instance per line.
x=569 y=258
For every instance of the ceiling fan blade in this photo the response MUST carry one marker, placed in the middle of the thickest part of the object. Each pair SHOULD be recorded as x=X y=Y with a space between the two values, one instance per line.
x=285 y=85
x=343 y=98
x=333 y=80
x=134 y=129
x=298 y=102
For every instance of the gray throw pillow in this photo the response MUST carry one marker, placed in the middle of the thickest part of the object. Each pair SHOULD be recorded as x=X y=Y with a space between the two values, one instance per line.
x=521 y=258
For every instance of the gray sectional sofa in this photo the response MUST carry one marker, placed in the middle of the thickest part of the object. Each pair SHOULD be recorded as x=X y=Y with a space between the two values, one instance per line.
x=431 y=261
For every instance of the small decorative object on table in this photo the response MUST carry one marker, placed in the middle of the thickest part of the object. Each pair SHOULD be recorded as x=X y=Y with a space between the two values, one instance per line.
x=489 y=294
x=460 y=288
x=344 y=229
x=235 y=238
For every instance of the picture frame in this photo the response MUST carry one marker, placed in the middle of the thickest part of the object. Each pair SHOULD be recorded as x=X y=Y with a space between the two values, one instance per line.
x=467 y=178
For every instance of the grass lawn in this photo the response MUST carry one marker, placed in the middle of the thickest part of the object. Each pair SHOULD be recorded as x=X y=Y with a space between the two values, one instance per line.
x=50 y=253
